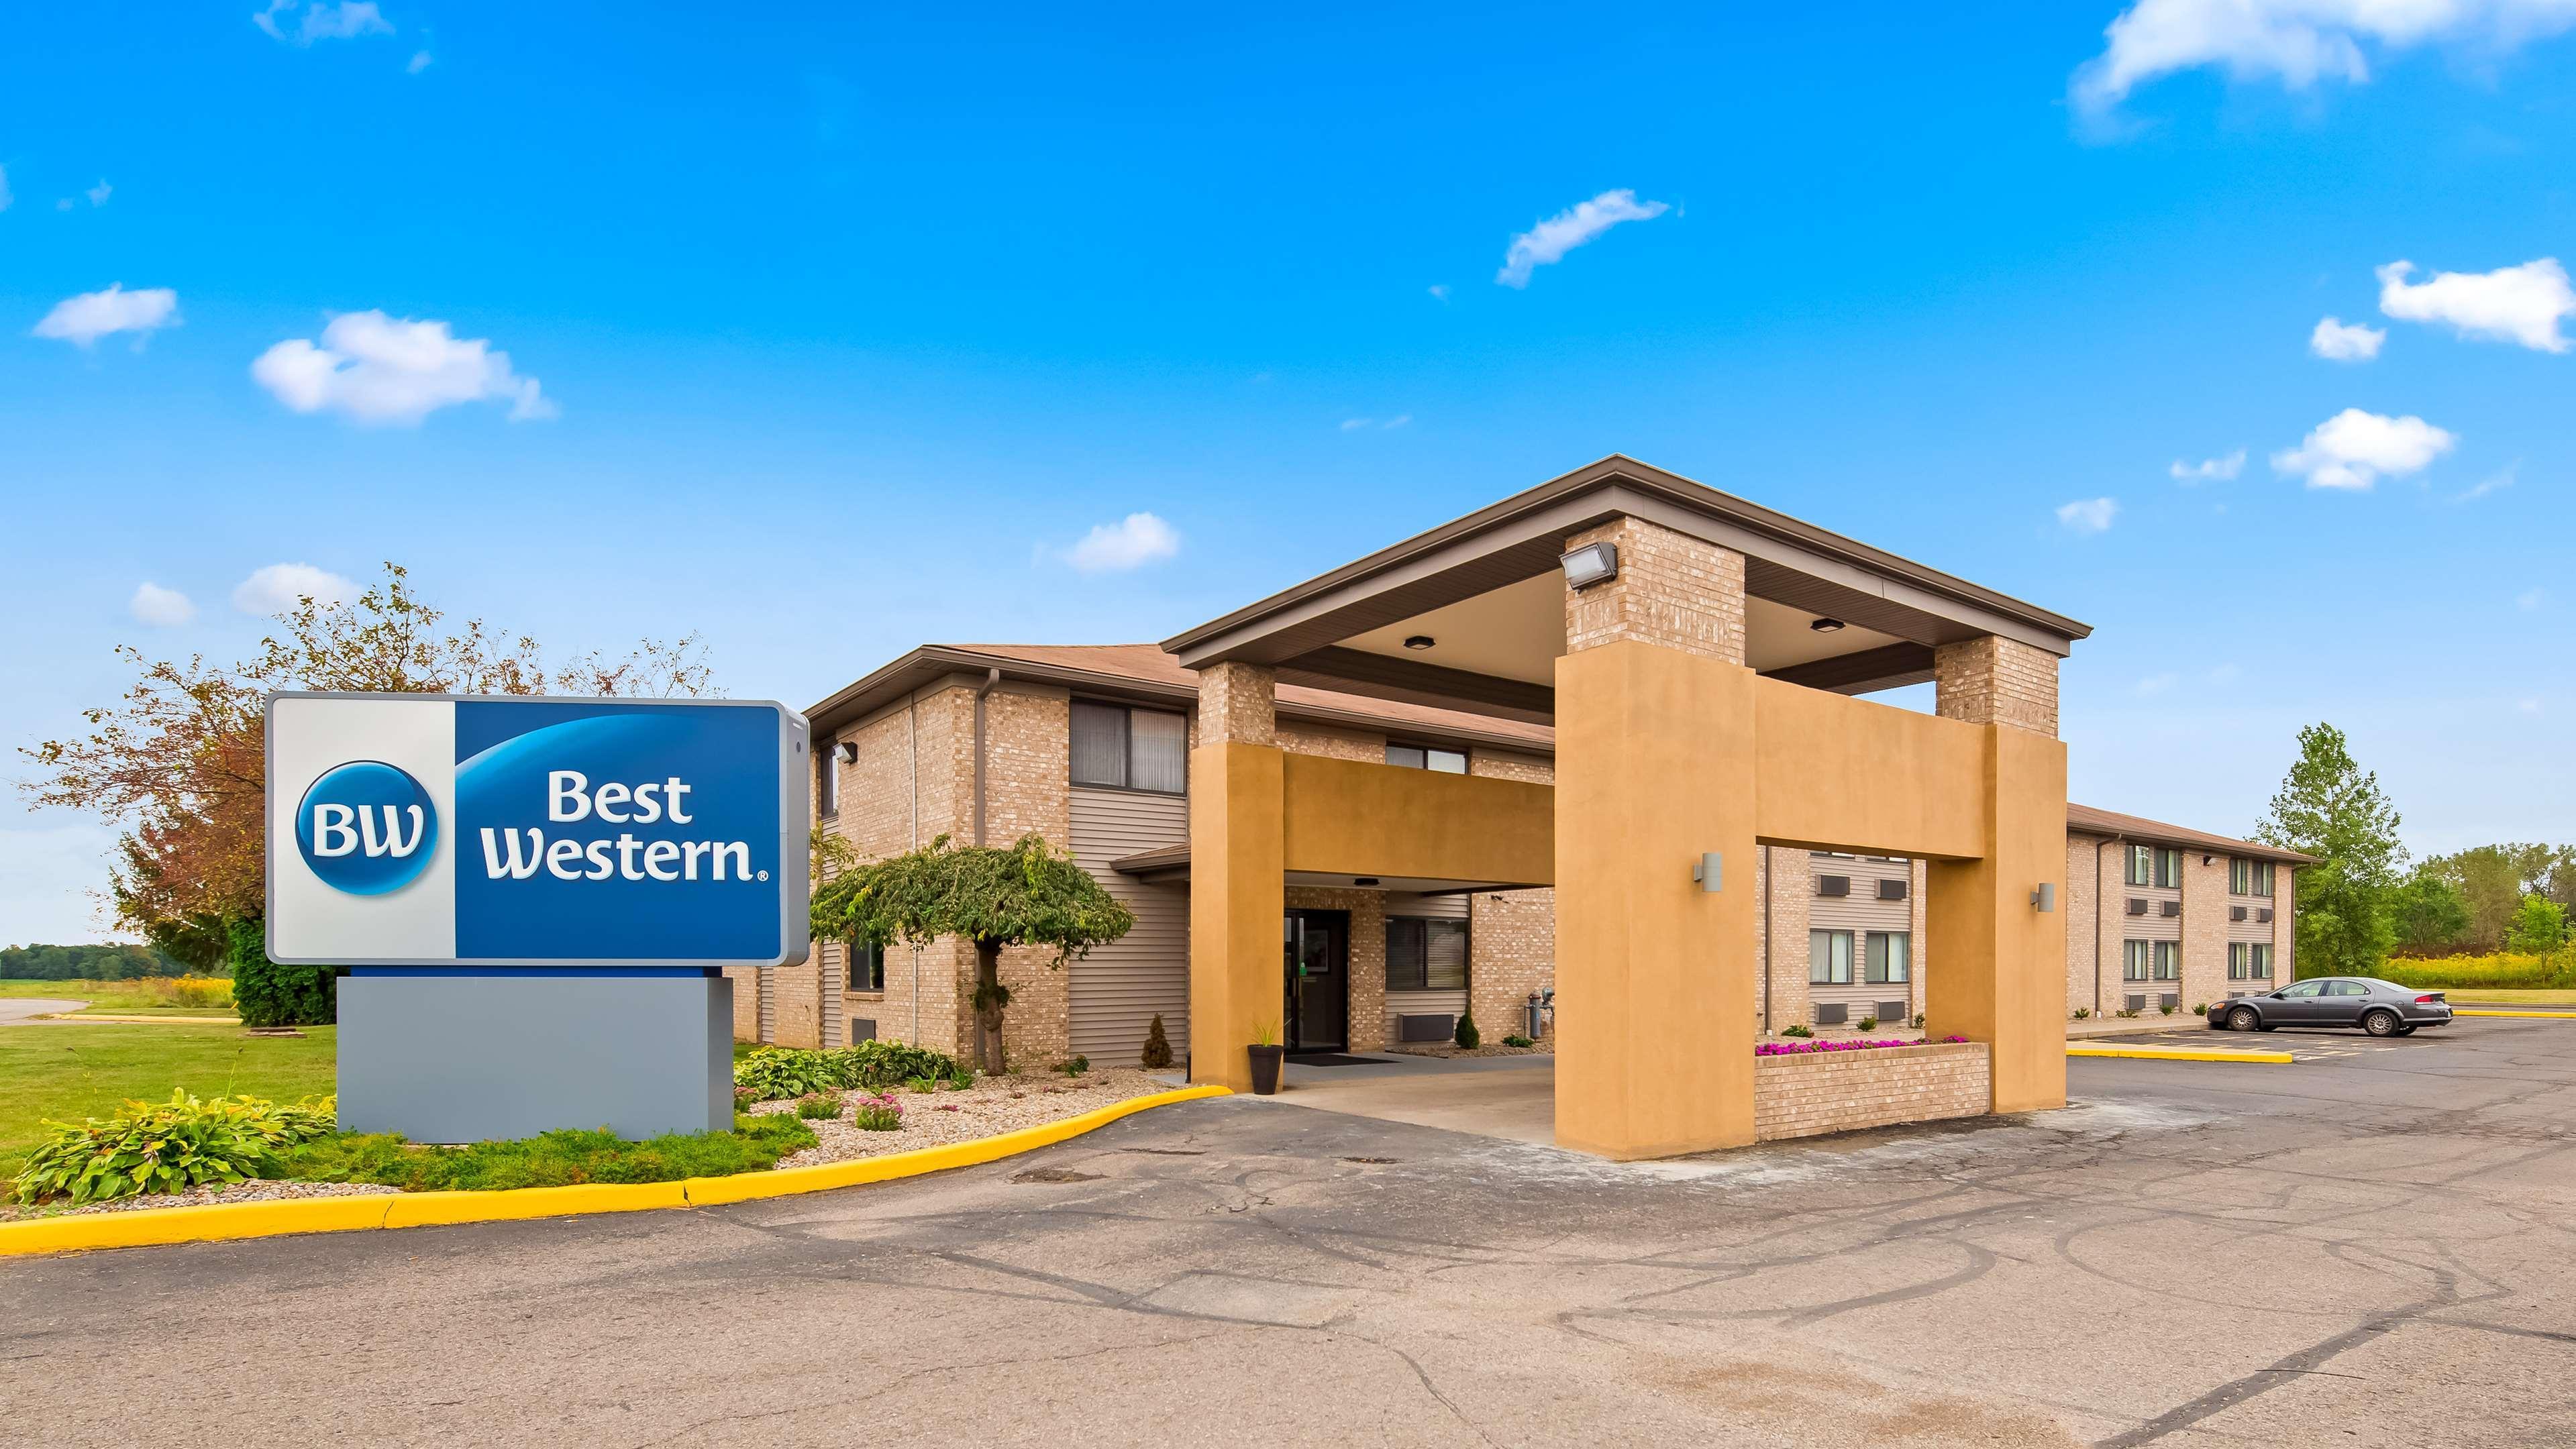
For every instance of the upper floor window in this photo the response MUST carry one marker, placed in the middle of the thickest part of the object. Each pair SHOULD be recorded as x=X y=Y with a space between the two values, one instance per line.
x=2249 y=877
x=1422 y=757
x=827 y=780
x=1130 y=749
x=1829 y=958
x=2153 y=865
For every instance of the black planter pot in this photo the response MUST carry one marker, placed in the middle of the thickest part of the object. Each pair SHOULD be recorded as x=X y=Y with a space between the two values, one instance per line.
x=1265 y=1069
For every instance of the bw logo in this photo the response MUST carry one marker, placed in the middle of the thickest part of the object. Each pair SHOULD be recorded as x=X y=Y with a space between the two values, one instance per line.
x=366 y=828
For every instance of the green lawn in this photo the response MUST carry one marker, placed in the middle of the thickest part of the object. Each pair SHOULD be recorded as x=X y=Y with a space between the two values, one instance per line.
x=107 y=998
x=69 y=1073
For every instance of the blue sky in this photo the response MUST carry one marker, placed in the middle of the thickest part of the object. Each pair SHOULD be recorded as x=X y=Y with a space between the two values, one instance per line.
x=831 y=331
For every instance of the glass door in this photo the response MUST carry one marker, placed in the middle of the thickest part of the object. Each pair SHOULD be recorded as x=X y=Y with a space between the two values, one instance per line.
x=1318 y=988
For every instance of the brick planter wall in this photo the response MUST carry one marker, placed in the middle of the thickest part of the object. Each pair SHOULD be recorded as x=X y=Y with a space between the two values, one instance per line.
x=1810 y=1095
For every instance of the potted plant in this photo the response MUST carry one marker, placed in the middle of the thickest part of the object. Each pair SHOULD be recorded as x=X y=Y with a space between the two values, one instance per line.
x=1267 y=1054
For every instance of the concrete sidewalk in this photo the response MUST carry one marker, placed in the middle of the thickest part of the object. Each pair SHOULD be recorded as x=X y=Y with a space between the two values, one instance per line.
x=1513 y=1098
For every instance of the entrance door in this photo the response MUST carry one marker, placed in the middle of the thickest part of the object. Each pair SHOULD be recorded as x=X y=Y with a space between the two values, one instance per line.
x=1318 y=955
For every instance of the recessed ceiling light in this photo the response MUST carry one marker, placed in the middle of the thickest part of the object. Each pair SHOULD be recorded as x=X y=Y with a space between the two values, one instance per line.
x=1420 y=641
x=1826 y=626
x=1364 y=880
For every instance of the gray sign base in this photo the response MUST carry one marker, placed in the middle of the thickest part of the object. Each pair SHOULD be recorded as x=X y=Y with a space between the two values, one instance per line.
x=450 y=1057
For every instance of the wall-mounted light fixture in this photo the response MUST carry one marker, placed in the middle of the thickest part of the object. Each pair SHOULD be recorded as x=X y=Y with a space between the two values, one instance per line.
x=1825 y=626
x=2208 y=859
x=1591 y=564
x=848 y=750
x=1420 y=641
x=2044 y=899
x=1710 y=872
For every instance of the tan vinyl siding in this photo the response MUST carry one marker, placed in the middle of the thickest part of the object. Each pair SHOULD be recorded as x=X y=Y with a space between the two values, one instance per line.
x=2253 y=927
x=768 y=987
x=1421 y=1003
x=1861 y=913
x=2155 y=925
x=1117 y=989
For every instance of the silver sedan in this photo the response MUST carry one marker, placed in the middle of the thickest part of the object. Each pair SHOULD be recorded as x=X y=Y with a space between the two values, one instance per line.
x=2382 y=1008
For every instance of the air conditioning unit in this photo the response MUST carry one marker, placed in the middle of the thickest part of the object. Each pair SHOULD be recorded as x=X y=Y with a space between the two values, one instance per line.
x=2137 y=1003
x=2236 y=913
x=1890 y=1011
x=1891 y=889
x=2171 y=908
x=2171 y=1000
x=1832 y=1013
x=2137 y=906
x=2263 y=914
x=1426 y=1026
x=1833 y=885
x=861 y=1029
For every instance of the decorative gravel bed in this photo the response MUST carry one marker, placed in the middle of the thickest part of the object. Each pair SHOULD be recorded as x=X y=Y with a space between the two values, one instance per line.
x=992 y=1106
x=1445 y=1050
x=256 y=1190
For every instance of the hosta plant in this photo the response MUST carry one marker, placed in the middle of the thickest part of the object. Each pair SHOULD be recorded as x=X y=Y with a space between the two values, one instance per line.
x=169 y=1147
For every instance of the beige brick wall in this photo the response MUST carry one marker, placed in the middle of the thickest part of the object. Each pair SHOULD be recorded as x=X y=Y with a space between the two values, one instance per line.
x=1788 y=879
x=2285 y=934
x=1992 y=680
x=1338 y=744
x=1810 y=1095
x=2083 y=907
x=1511 y=935
x=1238 y=704
x=2204 y=930
x=1671 y=589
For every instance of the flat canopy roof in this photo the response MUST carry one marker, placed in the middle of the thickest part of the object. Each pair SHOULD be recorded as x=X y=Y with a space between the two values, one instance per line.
x=1481 y=589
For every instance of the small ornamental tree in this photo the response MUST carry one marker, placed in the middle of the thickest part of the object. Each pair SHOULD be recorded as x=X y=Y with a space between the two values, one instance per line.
x=1158 y=1046
x=1026 y=894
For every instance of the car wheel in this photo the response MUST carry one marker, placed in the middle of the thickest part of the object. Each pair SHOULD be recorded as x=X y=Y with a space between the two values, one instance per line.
x=2244 y=1019
x=2382 y=1022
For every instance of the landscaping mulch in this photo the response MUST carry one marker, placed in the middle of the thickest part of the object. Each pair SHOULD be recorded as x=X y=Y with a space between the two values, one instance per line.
x=1445 y=1050
x=992 y=1106
x=206 y=1195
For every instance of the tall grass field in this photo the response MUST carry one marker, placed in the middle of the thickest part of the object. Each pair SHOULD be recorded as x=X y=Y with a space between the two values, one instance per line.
x=2500 y=971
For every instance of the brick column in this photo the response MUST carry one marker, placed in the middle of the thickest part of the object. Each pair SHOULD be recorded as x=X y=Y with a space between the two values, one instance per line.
x=2002 y=976
x=1655 y=749
x=1789 y=879
x=1238 y=872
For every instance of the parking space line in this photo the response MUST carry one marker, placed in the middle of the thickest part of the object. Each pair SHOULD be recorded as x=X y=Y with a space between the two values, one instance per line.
x=2181 y=1054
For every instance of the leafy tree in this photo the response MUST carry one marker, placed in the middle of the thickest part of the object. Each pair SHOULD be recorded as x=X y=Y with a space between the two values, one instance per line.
x=2331 y=808
x=1027 y=894
x=179 y=761
x=2430 y=913
x=2540 y=927
x=2489 y=881
x=113 y=962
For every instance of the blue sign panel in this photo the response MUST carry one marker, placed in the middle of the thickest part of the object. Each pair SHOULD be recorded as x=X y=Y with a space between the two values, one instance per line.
x=449 y=831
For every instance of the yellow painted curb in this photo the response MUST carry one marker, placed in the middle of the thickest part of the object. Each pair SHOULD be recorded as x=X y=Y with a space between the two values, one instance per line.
x=2181 y=1054
x=2536 y=1015
x=217 y=1221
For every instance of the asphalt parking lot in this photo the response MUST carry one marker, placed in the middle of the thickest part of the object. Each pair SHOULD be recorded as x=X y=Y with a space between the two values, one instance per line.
x=2370 y=1247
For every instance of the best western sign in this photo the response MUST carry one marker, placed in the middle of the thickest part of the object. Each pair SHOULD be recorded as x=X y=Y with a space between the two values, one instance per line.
x=435 y=830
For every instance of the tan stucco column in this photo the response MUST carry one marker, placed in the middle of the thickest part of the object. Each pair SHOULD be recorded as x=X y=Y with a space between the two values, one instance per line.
x=2000 y=972
x=1237 y=872
x=1654 y=767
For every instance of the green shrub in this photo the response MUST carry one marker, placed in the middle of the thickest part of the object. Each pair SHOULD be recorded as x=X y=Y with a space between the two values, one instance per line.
x=169 y=1147
x=2126 y=1012
x=1075 y=1067
x=780 y=1072
x=1797 y=1028
x=1518 y=1040
x=2166 y=1007
x=267 y=994
x=554 y=1159
x=1158 y=1047
x=2081 y=1013
x=2200 y=1008
x=877 y=1114
x=1468 y=1036
x=921 y=1084
x=1919 y=1019
x=962 y=1078
x=1868 y=1023
x=817 y=1106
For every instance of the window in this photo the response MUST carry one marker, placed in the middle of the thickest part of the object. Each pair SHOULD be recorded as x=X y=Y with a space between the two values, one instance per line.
x=1887 y=957
x=1425 y=954
x=1423 y=757
x=2239 y=961
x=2151 y=865
x=2304 y=989
x=1829 y=960
x=2346 y=988
x=1130 y=749
x=2168 y=960
x=866 y=970
x=2258 y=962
x=827 y=780
x=2136 y=960
x=2249 y=877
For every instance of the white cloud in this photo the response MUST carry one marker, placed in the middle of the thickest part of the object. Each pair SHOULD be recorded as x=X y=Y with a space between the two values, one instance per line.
x=2155 y=684
x=2088 y=515
x=1399 y=420
x=378 y=370
x=1571 y=228
x=99 y=194
x=1440 y=292
x=2299 y=41
x=2510 y=304
x=2495 y=482
x=2528 y=600
x=2336 y=342
x=2353 y=449
x=280 y=586
x=84 y=319
x=1353 y=425
x=1132 y=542
x=419 y=63
x=322 y=20
x=2528 y=706
x=2208 y=470
x=159 y=607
